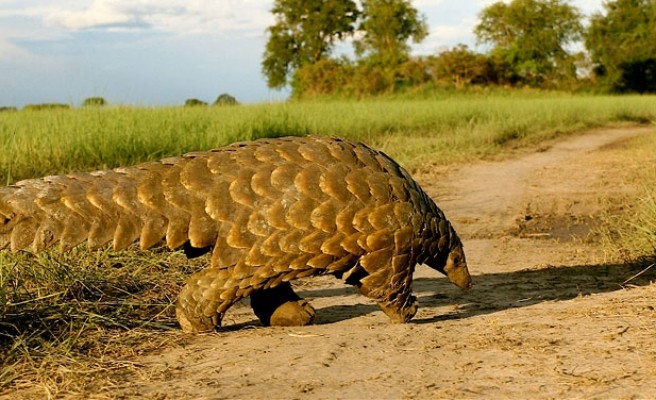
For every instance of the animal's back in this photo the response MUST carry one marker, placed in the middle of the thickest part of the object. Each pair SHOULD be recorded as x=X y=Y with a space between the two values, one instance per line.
x=240 y=195
x=299 y=206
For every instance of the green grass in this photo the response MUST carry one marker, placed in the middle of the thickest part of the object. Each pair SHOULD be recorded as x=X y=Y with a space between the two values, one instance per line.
x=68 y=321
x=444 y=129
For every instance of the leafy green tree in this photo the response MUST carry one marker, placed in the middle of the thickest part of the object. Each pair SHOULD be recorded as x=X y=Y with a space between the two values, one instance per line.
x=304 y=33
x=622 y=45
x=387 y=26
x=531 y=37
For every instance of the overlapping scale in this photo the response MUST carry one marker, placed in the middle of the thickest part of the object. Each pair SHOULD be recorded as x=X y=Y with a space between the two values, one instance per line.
x=273 y=210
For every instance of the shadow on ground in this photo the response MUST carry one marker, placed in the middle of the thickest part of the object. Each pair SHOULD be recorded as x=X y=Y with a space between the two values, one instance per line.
x=501 y=291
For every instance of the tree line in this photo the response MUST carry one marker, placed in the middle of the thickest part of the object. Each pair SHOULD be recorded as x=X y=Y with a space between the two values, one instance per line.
x=531 y=43
x=224 y=99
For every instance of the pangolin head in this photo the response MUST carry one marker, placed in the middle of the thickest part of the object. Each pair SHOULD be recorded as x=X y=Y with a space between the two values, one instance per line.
x=454 y=265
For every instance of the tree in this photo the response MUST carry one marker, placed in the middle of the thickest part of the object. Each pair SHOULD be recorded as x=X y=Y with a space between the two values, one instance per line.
x=304 y=33
x=531 y=37
x=195 y=103
x=225 y=99
x=622 y=45
x=386 y=26
x=94 y=102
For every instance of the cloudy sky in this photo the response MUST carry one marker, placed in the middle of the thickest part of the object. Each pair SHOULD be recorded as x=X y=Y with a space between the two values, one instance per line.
x=161 y=52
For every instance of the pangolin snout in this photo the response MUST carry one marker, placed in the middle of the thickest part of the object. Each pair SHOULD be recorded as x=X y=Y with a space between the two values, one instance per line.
x=460 y=277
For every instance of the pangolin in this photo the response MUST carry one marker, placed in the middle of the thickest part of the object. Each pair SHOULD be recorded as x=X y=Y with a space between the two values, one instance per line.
x=270 y=211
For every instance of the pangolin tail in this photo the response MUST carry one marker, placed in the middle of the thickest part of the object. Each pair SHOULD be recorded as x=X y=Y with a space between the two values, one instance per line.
x=120 y=206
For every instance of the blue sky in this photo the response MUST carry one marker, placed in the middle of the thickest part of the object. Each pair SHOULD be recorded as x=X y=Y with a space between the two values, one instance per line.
x=162 y=52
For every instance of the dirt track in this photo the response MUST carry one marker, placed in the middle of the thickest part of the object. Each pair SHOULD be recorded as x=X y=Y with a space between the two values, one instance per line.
x=548 y=316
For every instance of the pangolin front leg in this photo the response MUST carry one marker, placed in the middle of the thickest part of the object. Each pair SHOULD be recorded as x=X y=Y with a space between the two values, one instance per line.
x=398 y=311
x=391 y=291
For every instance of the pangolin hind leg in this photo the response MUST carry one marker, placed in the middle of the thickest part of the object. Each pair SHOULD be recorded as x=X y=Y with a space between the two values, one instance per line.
x=203 y=301
x=281 y=306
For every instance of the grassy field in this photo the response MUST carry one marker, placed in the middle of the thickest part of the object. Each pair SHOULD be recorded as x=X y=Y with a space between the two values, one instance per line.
x=64 y=318
x=440 y=130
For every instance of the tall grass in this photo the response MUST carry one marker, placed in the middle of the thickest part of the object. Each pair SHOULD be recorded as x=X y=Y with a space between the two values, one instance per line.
x=413 y=131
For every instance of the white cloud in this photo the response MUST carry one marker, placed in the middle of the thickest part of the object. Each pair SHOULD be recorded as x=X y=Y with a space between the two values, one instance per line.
x=178 y=16
x=588 y=6
x=249 y=17
x=419 y=4
x=449 y=33
x=101 y=13
x=442 y=37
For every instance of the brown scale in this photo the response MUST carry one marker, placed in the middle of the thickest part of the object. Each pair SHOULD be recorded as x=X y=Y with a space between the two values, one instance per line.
x=269 y=211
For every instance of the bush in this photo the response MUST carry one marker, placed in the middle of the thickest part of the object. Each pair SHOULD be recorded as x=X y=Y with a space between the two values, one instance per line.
x=369 y=79
x=46 y=106
x=94 y=102
x=325 y=77
x=195 y=103
x=8 y=109
x=225 y=99
x=331 y=77
x=461 y=67
x=412 y=72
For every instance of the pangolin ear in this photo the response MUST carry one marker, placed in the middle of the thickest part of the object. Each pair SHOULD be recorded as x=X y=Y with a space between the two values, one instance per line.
x=438 y=263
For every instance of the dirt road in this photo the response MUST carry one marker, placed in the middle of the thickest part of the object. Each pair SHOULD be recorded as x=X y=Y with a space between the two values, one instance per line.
x=548 y=317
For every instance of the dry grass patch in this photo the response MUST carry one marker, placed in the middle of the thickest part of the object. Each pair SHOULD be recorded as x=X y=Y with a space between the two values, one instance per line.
x=630 y=225
x=71 y=322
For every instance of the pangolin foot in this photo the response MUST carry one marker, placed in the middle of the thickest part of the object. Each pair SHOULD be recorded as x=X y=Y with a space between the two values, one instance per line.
x=196 y=324
x=293 y=313
x=280 y=306
x=402 y=315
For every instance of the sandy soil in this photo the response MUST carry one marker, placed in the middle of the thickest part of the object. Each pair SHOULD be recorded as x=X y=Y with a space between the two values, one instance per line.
x=549 y=316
